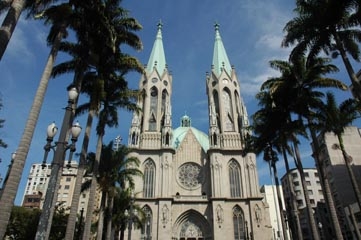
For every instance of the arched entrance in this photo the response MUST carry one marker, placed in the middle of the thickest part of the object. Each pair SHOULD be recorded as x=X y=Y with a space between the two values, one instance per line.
x=191 y=225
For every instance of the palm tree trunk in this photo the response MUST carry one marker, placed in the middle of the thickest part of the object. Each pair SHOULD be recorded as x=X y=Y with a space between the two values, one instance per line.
x=325 y=183
x=11 y=187
x=294 y=211
x=70 y=227
x=309 y=210
x=280 y=204
x=103 y=202
x=109 y=218
x=348 y=160
x=9 y=24
x=356 y=91
x=93 y=190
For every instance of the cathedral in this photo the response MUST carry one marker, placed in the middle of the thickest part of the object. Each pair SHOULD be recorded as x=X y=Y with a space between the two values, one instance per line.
x=196 y=185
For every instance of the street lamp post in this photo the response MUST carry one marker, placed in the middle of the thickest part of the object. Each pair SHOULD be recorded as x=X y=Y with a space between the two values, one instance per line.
x=60 y=148
x=131 y=214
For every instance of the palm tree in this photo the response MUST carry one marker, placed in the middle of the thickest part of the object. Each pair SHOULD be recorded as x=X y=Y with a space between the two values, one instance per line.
x=333 y=118
x=15 y=7
x=272 y=127
x=115 y=170
x=57 y=31
x=85 y=64
x=298 y=87
x=326 y=25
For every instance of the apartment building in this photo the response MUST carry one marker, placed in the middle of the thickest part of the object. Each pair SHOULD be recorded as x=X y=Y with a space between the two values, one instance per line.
x=292 y=190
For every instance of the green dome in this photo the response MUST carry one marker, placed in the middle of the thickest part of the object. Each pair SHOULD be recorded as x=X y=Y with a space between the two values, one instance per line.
x=180 y=132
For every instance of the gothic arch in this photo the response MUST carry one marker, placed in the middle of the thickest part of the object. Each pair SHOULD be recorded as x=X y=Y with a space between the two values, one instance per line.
x=235 y=180
x=191 y=225
x=149 y=178
x=146 y=230
x=153 y=109
x=227 y=109
x=239 y=223
x=216 y=105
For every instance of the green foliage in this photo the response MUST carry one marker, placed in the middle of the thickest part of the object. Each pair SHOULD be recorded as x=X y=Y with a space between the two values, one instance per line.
x=23 y=221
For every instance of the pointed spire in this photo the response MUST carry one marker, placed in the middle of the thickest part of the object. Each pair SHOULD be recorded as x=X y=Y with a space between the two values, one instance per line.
x=157 y=56
x=220 y=58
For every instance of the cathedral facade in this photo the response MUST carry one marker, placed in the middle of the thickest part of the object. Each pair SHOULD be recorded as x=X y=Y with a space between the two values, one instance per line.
x=196 y=185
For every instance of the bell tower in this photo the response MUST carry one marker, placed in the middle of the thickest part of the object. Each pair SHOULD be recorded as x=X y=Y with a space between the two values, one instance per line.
x=152 y=127
x=227 y=112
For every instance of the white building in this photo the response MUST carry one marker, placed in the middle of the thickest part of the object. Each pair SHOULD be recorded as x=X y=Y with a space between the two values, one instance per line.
x=196 y=185
x=270 y=197
x=37 y=184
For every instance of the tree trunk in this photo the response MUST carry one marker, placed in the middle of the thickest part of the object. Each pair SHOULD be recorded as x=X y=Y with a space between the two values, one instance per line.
x=9 y=24
x=309 y=210
x=11 y=187
x=109 y=218
x=325 y=183
x=93 y=191
x=294 y=219
x=103 y=202
x=70 y=227
x=279 y=198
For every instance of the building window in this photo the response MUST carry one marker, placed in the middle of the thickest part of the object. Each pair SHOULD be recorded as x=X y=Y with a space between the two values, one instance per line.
x=234 y=179
x=312 y=201
x=318 y=183
x=296 y=183
x=294 y=175
x=298 y=193
x=306 y=174
x=238 y=224
x=299 y=202
x=68 y=179
x=308 y=183
x=149 y=179
x=310 y=192
x=316 y=174
x=66 y=187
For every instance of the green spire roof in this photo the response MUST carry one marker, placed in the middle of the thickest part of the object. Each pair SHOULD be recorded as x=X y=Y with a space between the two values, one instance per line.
x=157 y=57
x=220 y=58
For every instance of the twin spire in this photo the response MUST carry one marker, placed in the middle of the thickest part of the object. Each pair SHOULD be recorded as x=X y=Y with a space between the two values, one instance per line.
x=157 y=57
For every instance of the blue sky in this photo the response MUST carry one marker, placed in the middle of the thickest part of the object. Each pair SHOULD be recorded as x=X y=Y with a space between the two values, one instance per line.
x=251 y=31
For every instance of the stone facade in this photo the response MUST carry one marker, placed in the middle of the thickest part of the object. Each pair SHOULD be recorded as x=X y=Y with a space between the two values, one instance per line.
x=195 y=185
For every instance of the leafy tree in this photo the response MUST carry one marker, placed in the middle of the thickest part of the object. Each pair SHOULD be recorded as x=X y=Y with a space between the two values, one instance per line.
x=21 y=223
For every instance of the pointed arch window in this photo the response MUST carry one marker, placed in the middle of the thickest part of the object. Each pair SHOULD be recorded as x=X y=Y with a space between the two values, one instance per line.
x=238 y=224
x=234 y=178
x=153 y=109
x=149 y=179
x=147 y=228
x=227 y=109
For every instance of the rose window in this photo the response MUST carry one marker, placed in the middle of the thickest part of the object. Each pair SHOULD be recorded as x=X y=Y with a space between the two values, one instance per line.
x=189 y=175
